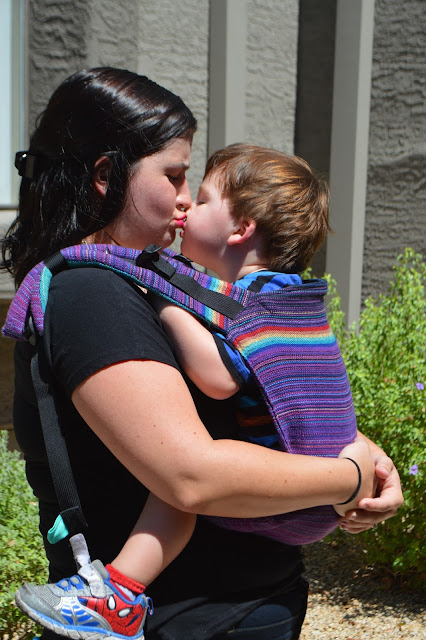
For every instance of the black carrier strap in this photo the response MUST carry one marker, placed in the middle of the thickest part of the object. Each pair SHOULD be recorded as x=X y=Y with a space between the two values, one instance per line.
x=208 y=297
x=56 y=447
x=56 y=263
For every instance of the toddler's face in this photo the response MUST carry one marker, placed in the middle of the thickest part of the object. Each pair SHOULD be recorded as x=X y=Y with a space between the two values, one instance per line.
x=208 y=226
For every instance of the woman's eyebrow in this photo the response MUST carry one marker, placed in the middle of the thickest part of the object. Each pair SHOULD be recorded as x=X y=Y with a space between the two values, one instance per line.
x=180 y=165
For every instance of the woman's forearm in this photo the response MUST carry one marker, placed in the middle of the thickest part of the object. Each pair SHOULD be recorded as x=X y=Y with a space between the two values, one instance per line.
x=252 y=481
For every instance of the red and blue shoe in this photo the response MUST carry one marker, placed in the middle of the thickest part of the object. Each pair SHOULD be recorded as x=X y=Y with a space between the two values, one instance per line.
x=87 y=606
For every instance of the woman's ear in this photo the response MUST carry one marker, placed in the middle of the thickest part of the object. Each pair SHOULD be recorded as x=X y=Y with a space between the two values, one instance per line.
x=245 y=231
x=101 y=171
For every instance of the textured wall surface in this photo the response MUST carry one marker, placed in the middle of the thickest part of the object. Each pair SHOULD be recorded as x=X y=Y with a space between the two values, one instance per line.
x=271 y=73
x=173 y=50
x=65 y=36
x=113 y=36
x=396 y=193
x=315 y=63
x=57 y=46
x=317 y=24
x=169 y=41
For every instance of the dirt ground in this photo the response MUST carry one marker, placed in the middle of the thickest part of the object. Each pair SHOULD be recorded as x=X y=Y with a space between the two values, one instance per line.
x=351 y=600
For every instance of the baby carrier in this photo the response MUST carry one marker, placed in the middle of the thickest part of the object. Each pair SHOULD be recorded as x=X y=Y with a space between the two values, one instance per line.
x=283 y=336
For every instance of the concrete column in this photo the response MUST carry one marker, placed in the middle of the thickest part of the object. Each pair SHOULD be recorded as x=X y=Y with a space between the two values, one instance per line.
x=227 y=89
x=349 y=149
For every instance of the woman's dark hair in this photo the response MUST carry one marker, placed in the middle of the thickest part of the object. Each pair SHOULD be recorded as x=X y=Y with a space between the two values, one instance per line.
x=102 y=111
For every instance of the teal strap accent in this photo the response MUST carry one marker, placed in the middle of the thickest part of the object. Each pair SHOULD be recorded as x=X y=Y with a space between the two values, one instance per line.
x=58 y=532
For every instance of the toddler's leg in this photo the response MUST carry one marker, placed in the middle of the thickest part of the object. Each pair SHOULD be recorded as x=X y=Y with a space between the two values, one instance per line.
x=158 y=537
x=111 y=600
x=87 y=606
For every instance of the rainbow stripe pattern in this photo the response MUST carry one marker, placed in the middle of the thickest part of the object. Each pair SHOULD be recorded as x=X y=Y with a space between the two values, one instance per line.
x=284 y=337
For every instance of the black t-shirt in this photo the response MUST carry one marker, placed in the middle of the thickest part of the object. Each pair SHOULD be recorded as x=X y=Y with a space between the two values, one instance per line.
x=95 y=318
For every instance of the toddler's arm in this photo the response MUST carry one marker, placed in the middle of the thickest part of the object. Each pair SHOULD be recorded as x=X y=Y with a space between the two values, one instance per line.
x=196 y=351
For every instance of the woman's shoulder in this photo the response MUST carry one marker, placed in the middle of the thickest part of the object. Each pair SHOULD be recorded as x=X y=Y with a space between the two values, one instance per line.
x=88 y=279
x=95 y=318
x=94 y=287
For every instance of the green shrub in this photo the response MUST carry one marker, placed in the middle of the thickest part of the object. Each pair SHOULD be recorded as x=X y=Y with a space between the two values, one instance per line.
x=385 y=359
x=22 y=558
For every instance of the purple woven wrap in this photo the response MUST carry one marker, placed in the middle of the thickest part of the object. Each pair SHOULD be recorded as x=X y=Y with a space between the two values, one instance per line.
x=285 y=338
x=31 y=297
x=287 y=341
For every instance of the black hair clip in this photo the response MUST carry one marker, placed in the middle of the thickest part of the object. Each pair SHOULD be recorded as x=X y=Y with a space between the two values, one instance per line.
x=25 y=163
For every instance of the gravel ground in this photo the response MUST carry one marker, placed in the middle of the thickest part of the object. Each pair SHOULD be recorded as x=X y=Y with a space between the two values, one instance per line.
x=350 y=600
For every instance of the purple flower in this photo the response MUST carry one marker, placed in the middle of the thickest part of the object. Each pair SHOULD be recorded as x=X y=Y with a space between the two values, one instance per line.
x=414 y=470
x=420 y=386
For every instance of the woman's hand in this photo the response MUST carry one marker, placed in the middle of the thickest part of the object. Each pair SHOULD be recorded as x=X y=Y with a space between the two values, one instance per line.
x=388 y=498
x=359 y=451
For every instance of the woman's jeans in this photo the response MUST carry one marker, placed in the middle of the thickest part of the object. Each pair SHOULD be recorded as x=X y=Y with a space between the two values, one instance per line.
x=280 y=618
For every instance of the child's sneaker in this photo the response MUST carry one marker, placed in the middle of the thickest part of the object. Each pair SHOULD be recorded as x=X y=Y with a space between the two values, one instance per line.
x=86 y=606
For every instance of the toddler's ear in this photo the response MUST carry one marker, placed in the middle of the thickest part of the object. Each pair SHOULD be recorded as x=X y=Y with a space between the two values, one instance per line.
x=245 y=231
x=101 y=171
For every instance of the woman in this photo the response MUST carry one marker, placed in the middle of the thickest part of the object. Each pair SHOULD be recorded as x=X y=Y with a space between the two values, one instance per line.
x=108 y=163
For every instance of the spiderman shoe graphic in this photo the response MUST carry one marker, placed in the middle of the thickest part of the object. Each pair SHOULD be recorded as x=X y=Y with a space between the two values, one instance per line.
x=86 y=606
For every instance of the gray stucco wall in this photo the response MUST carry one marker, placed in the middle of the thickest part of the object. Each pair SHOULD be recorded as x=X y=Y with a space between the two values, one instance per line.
x=315 y=63
x=64 y=37
x=182 y=64
x=272 y=35
x=169 y=42
x=172 y=47
x=396 y=192
x=57 y=46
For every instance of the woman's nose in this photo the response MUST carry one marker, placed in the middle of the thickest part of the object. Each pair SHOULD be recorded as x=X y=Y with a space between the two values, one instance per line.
x=183 y=198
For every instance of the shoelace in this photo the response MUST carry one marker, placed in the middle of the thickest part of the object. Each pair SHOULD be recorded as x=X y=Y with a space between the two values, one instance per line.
x=74 y=583
x=88 y=575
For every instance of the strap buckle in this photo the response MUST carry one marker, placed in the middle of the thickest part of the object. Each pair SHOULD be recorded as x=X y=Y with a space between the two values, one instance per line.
x=150 y=258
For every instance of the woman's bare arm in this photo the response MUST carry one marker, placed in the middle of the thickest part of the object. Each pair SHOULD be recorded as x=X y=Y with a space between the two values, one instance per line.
x=143 y=412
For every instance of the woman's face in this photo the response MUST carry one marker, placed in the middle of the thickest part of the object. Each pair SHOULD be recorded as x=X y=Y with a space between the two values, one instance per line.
x=156 y=200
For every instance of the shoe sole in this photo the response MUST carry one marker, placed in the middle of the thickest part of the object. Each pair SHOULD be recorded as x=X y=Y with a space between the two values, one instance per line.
x=76 y=634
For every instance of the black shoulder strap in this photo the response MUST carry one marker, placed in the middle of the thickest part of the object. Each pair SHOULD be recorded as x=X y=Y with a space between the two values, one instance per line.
x=56 y=448
x=210 y=298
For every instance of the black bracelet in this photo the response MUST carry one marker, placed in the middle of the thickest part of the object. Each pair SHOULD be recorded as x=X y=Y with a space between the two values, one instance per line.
x=355 y=493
